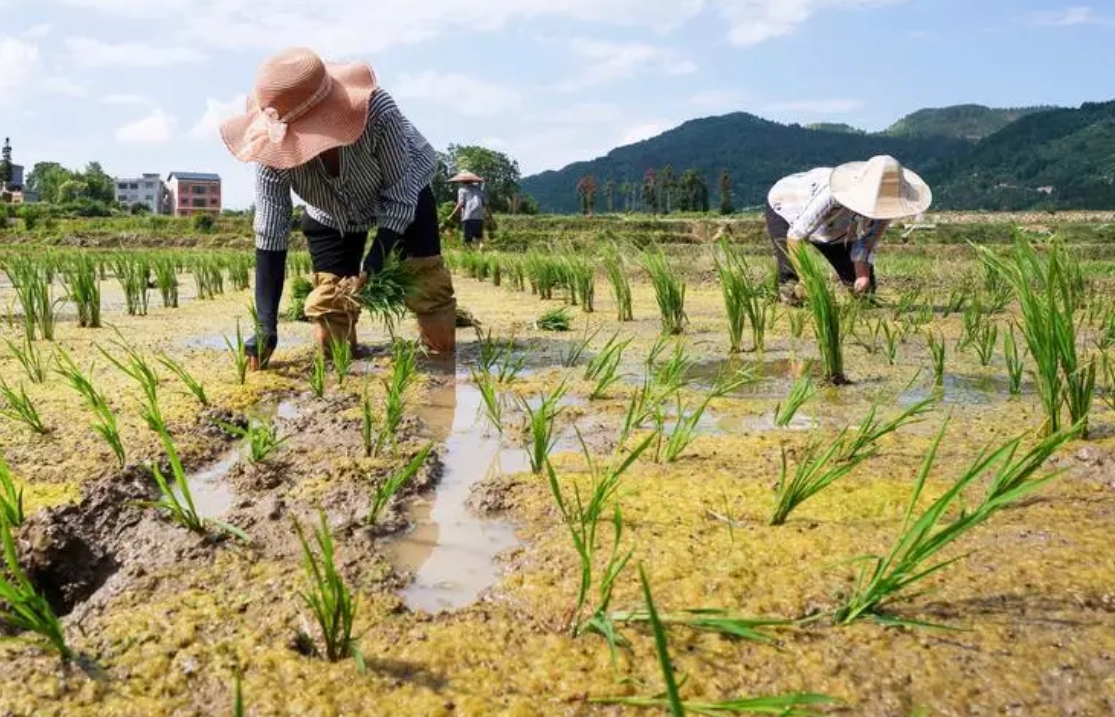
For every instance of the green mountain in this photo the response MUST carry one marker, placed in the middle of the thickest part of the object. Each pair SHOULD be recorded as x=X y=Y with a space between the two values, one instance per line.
x=755 y=151
x=1059 y=159
x=973 y=122
x=835 y=127
x=1046 y=158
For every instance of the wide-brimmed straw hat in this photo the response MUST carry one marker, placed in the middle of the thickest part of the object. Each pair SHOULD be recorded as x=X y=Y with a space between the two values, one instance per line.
x=880 y=188
x=300 y=107
x=466 y=177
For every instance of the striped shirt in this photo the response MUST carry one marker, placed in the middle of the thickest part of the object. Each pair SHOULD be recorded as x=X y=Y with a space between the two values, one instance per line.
x=805 y=200
x=380 y=177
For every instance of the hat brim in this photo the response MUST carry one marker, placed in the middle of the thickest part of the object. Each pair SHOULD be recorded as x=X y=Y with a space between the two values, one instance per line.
x=845 y=186
x=465 y=177
x=339 y=119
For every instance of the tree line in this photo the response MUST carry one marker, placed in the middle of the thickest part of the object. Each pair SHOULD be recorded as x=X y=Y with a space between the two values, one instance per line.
x=661 y=191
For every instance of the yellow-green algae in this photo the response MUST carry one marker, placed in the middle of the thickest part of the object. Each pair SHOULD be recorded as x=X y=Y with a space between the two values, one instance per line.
x=1034 y=599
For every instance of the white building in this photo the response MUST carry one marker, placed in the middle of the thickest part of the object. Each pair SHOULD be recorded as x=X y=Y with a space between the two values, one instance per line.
x=148 y=190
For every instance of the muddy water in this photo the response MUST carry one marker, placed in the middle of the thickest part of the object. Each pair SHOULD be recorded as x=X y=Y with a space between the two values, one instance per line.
x=209 y=488
x=451 y=551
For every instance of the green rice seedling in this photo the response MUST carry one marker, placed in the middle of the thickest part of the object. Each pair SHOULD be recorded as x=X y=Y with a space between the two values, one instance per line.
x=604 y=368
x=937 y=352
x=802 y=390
x=318 y=374
x=340 y=349
x=263 y=438
x=1049 y=293
x=27 y=281
x=797 y=323
x=238 y=697
x=673 y=375
x=404 y=372
x=489 y=394
x=787 y=705
x=669 y=291
x=84 y=290
x=184 y=376
x=239 y=355
x=812 y=474
x=1108 y=394
x=891 y=336
x=984 y=342
x=825 y=312
x=956 y=300
x=554 y=320
x=907 y=302
x=581 y=275
x=239 y=271
x=739 y=295
x=1013 y=360
x=616 y=272
x=105 y=425
x=182 y=510
x=23 y=607
x=383 y=492
x=864 y=441
x=20 y=408
x=166 y=279
x=885 y=580
x=329 y=599
x=300 y=288
x=577 y=349
x=132 y=272
x=582 y=517
x=544 y=273
x=30 y=358
x=385 y=293
x=367 y=422
x=140 y=371
x=540 y=427
x=684 y=431
x=11 y=498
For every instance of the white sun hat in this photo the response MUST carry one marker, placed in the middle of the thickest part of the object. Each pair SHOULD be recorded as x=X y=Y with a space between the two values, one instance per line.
x=880 y=188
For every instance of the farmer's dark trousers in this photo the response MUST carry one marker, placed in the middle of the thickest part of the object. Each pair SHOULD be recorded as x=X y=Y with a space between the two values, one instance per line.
x=838 y=254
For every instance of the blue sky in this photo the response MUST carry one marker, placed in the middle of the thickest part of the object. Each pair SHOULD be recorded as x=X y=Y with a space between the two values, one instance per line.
x=140 y=86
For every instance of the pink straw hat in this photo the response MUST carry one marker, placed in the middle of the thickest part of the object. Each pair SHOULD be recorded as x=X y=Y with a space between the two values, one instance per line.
x=300 y=107
x=466 y=177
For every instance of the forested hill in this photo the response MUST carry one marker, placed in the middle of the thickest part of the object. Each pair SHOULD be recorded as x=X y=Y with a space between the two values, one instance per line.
x=972 y=122
x=1045 y=158
x=1058 y=159
x=755 y=151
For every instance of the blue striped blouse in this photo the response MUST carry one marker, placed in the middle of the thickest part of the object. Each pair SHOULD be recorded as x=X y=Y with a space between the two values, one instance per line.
x=380 y=177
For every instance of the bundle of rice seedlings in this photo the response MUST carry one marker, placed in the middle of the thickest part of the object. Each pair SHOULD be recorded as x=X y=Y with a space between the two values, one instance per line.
x=385 y=293
x=669 y=290
x=825 y=311
x=554 y=320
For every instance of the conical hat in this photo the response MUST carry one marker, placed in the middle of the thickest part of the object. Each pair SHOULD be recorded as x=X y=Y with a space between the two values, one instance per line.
x=465 y=177
x=880 y=188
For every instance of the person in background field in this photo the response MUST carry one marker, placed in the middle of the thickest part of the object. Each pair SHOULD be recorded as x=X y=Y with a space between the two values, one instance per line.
x=843 y=212
x=471 y=203
x=327 y=132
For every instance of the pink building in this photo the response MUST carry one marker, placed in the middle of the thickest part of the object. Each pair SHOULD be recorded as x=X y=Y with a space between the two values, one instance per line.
x=193 y=192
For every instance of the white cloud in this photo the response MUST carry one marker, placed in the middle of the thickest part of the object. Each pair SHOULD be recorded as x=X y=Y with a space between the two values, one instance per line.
x=638 y=133
x=216 y=111
x=717 y=99
x=126 y=99
x=65 y=86
x=1076 y=15
x=37 y=32
x=591 y=113
x=607 y=62
x=155 y=128
x=755 y=21
x=95 y=54
x=462 y=94
x=834 y=106
x=19 y=60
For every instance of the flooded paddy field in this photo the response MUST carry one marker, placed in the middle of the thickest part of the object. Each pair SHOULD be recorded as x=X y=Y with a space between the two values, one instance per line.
x=562 y=484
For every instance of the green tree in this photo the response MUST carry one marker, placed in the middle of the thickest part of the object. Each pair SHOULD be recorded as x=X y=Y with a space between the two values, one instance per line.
x=650 y=191
x=692 y=192
x=667 y=184
x=442 y=189
x=98 y=185
x=726 y=204
x=626 y=196
x=586 y=190
x=500 y=173
x=45 y=180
